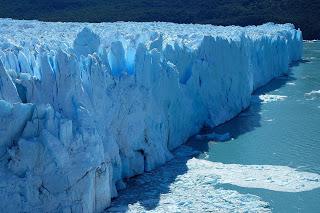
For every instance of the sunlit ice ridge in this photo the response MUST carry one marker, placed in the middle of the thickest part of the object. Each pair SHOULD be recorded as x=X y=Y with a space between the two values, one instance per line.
x=85 y=106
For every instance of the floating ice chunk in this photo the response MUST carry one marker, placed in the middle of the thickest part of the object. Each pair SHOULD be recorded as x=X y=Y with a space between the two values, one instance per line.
x=276 y=178
x=291 y=83
x=312 y=95
x=175 y=188
x=271 y=98
x=175 y=184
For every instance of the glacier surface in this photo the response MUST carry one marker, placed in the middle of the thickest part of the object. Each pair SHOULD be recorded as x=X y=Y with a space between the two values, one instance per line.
x=85 y=106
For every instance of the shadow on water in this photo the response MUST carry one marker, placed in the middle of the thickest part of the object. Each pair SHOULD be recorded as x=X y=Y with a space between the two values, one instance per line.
x=249 y=119
x=146 y=189
x=296 y=63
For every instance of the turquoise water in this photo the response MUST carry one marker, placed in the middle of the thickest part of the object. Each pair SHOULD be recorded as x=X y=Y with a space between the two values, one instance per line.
x=283 y=130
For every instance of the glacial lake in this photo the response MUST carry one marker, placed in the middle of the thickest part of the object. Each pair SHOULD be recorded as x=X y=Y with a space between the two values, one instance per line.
x=272 y=164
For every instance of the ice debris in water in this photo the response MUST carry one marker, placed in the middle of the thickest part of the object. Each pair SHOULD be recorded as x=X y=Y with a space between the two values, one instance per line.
x=85 y=106
x=182 y=185
x=267 y=98
x=312 y=95
x=193 y=185
x=291 y=83
x=276 y=178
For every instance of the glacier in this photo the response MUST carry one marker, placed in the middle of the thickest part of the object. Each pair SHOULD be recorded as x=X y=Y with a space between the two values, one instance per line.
x=85 y=106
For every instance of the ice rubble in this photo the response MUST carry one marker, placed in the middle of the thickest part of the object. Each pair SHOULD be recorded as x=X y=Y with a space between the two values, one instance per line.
x=267 y=98
x=276 y=178
x=183 y=185
x=168 y=188
x=85 y=106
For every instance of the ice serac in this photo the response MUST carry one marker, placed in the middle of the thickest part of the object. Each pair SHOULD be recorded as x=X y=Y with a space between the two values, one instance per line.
x=86 y=106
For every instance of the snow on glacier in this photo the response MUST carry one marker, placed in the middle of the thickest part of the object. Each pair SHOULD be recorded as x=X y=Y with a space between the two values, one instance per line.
x=85 y=106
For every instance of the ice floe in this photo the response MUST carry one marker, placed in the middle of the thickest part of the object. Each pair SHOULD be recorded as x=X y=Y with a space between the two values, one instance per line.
x=276 y=178
x=267 y=98
x=194 y=185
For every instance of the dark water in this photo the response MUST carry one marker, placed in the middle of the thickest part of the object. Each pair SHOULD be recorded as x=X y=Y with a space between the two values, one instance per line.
x=283 y=132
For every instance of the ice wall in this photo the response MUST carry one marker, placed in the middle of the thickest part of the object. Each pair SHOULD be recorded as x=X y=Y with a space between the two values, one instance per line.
x=85 y=106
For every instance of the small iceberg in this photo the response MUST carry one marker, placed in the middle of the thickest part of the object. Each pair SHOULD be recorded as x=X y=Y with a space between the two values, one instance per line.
x=266 y=98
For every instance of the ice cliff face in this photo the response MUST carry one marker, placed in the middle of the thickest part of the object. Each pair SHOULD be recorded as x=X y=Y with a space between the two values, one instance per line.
x=85 y=106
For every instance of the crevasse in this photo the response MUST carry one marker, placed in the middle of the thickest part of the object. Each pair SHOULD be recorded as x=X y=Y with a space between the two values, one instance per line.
x=84 y=106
